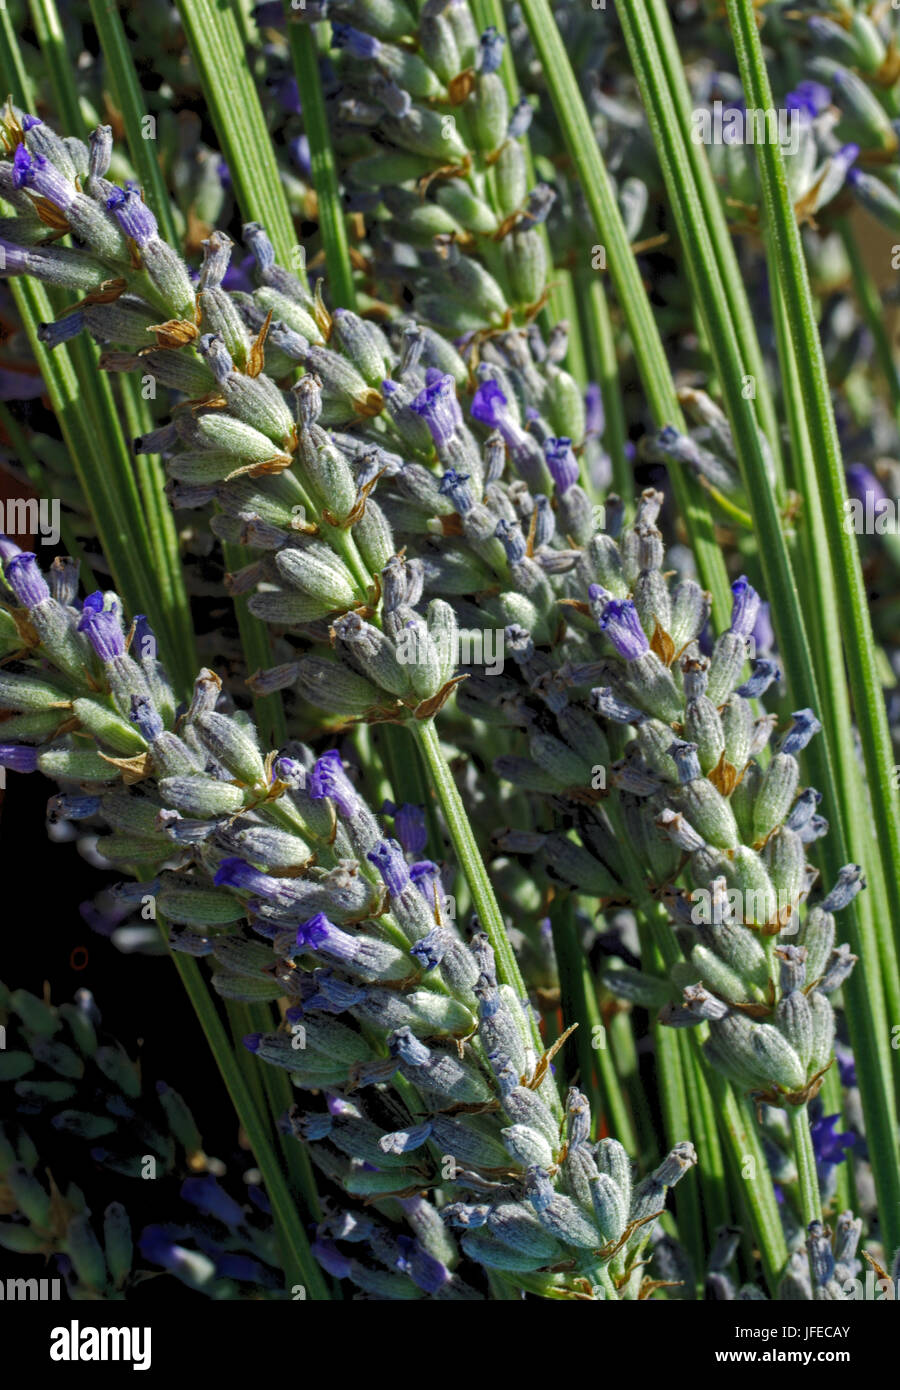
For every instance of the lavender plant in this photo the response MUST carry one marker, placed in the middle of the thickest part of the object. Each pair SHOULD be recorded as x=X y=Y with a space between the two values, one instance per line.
x=403 y=467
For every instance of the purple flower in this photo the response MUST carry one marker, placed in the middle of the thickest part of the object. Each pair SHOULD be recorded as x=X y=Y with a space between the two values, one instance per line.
x=846 y=156
x=426 y=1272
x=325 y=1251
x=763 y=633
x=237 y=873
x=861 y=481
x=810 y=98
x=61 y=330
x=357 y=44
x=387 y=856
x=237 y=276
x=622 y=626
x=764 y=673
x=850 y=881
x=132 y=214
x=410 y=827
x=744 y=607
x=805 y=727
x=846 y=1064
x=594 y=418
x=686 y=760
x=490 y=407
x=562 y=463
x=490 y=54
x=157 y=1246
x=829 y=1147
x=404 y=1044
x=289 y=771
x=287 y=94
x=146 y=718
x=104 y=632
x=329 y=778
x=316 y=932
x=430 y=949
x=509 y=534
x=29 y=122
x=439 y=408
x=520 y=119
x=24 y=577
x=204 y=1193
x=37 y=173
x=454 y=486
x=301 y=155
x=487 y=405
x=18 y=758
x=426 y=876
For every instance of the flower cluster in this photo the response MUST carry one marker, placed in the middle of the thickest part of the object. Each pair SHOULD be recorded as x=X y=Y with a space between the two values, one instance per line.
x=382 y=985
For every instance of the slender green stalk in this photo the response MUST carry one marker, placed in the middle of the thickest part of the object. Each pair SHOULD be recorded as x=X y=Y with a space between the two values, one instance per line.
x=710 y=1160
x=19 y=80
x=805 y=1158
x=750 y=1163
x=603 y=362
x=564 y=308
x=579 y=1001
x=127 y=95
x=218 y=51
x=858 y=640
x=140 y=513
x=867 y=1020
x=332 y=224
x=468 y=854
x=648 y=349
x=279 y=1097
x=714 y=217
x=625 y=1067
x=299 y=1265
x=816 y=578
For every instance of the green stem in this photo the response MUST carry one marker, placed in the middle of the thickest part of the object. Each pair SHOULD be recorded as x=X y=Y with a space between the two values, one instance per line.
x=858 y=640
x=299 y=1265
x=126 y=93
x=805 y=1158
x=714 y=217
x=332 y=224
x=234 y=106
x=579 y=1004
x=469 y=856
x=604 y=366
x=648 y=348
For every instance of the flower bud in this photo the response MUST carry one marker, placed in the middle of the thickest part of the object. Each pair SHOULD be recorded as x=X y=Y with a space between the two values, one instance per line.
x=201 y=796
x=776 y=792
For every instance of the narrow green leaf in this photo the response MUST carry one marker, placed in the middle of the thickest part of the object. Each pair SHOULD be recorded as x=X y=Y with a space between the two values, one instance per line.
x=648 y=349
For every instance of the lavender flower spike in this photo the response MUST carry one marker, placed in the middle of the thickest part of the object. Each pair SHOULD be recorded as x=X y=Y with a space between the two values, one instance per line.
x=622 y=626
x=745 y=607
